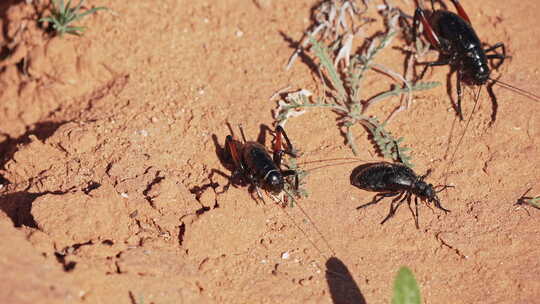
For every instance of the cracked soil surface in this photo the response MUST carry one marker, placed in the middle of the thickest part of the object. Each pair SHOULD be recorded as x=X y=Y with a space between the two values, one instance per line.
x=107 y=142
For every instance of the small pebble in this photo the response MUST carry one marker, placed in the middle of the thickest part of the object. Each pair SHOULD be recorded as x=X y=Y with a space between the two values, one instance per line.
x=143 y=133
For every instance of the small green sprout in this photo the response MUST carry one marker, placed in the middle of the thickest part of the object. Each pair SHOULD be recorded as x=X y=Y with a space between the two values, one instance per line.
x=533 y=201
x=63 y=15
x=292 y=192
x=529 y=200
x=406 y=290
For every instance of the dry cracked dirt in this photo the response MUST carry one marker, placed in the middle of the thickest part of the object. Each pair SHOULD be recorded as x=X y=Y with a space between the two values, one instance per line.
x=107 y=142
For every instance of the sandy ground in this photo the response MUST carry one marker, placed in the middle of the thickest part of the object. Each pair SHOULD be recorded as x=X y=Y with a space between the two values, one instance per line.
x=107 y=142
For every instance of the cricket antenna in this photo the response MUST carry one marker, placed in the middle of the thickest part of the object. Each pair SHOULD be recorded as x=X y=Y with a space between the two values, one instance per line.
x=277 y=199
x=332 y=165
x=336 y=162
x=517 y=90
x=476 y=98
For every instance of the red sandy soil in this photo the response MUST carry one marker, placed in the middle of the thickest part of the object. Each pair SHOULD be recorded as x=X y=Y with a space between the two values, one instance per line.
x=106 y=138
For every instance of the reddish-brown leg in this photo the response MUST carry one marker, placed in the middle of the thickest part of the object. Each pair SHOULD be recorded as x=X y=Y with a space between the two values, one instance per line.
x=461 y=11
x=279 y=151
x=278 y=146
x=232 y=148
x=419 y=16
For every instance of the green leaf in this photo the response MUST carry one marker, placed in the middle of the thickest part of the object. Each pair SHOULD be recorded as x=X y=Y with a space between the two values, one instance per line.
x=75 y=29
x=46 y=19
x=406 y=290
x=90 y=11
x=61 y=5
x=422 y=86
x=535 y=201
x=78 y=7
x=322 y=54
x=63 y=14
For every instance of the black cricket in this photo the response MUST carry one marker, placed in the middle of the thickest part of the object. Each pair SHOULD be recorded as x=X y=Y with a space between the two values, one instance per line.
x=253 y=163
x=453 y=35
x=395 y=179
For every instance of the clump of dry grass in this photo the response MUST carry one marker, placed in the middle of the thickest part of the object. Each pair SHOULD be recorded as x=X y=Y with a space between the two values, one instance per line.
x=330 y=40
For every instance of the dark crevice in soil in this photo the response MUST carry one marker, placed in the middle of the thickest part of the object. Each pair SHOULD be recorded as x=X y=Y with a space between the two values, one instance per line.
x=445 y=244
x=199 y=190
x=90 y=187
x=181 y=234
x=202 y=210
x=74 y=247
x=42 y=131
x=5 y=52
x=109 y=167
x=114 y=87
x=132 y=297
x=22 y=67
x=4 y=6
x=157 y=179
x=64 y=253
x=117 y=267
x=67 y=265
x=18 y=206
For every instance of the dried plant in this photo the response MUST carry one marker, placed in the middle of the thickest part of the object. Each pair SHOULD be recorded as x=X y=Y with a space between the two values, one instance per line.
x=387 y=145
x=333 y=19
x=291 y=192
x=343 y=88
